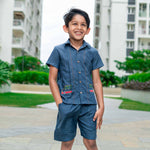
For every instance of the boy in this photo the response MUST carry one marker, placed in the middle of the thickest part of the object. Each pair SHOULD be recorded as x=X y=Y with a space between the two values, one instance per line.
x=73 y=79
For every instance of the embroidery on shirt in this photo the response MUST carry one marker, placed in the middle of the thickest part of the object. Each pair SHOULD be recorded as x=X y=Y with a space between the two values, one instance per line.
x=91 y=87
x=67 y=87
x=66 y=92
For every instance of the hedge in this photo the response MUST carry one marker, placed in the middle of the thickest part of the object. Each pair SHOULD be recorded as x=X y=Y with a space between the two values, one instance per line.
x=141 y=77
x=33 y=77
x=138 y=81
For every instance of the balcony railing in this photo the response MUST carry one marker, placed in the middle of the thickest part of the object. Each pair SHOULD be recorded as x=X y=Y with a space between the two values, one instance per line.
x=141 y=47
x=17 y=41
x=142 y=31
x=18 y=23
x=142 y=13
x=19 y=5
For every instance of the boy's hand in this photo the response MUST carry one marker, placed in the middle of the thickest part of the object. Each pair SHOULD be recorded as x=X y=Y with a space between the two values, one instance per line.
x=99 y=116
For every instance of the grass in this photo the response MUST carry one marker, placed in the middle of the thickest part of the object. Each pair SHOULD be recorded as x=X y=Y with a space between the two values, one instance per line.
x=24 y=100
x=132 y=105
x=32 y=100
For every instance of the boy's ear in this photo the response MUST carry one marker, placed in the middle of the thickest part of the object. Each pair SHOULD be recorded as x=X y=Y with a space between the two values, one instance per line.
x=65 y=28
x=88 y=30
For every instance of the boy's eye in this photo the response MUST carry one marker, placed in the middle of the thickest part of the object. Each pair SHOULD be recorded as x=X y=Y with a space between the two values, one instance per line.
x=74 y=23
x=84 y=25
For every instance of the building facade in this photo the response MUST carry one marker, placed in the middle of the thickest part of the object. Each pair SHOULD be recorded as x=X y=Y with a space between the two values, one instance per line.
x=20 y=28
x=121 y=26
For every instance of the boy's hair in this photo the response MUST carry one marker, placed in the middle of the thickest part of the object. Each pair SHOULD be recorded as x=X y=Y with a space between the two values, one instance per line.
x=74 y=11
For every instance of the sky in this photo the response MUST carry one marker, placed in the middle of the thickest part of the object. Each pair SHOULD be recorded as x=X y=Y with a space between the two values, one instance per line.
x=52 y=23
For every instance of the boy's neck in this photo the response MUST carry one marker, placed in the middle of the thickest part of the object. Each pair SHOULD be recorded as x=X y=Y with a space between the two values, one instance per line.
x=76 y=44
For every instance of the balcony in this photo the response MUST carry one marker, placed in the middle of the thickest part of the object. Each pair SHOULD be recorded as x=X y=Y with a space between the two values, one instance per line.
x=19 y=8
x=142 y=13
x=141 y=47
x=17 y=42
x=18 y=24
x=142 y=31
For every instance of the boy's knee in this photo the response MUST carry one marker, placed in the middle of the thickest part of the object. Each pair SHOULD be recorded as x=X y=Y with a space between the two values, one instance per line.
x=91 y=144
x=67 y=144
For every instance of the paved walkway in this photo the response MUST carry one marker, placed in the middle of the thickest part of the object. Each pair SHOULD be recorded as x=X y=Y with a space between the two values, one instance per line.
x=32 y=129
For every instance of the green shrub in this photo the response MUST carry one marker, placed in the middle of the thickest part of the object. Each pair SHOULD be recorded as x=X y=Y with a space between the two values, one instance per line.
x=23 y=63
x=109 y=78
x=141 y=77
x=34 y=77
x=4 y=72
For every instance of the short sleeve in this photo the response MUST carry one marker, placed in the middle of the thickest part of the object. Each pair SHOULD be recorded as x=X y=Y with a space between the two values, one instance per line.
x=97 y=61
x=53 y=59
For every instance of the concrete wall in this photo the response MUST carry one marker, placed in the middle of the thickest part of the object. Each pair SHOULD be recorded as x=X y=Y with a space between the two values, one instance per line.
x=118 y=33
x=45 y=88
x=29 y=87
x=5 y=88
x=6 y=21
x=136 y=95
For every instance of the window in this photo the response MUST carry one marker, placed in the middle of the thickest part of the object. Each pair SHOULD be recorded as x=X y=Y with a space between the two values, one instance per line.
x=142 y=27
x=148 y=45
x=97 y=20
x=130 y=44
x=149 y=10
x=131 y=27
x=131 y=10
x=142 y=10
x=149 y=27
x=97 y=8
x=97 y=31
x=96 y=43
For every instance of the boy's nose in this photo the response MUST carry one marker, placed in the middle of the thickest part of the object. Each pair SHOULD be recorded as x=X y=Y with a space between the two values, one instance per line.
x=79 y=26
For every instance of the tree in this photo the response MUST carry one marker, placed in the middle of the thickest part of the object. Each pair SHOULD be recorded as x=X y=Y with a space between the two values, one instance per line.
x=27 y=63
x=138 y=61
x=4 y=73
x=109 y=78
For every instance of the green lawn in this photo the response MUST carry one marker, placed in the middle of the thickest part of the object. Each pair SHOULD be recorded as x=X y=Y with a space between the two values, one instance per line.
x=32 y=100
x=132 y=105
x=24 y=100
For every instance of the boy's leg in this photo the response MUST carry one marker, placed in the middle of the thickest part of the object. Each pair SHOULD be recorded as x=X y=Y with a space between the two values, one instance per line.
x=90 y=144
x=67 y=145
x=88 y=126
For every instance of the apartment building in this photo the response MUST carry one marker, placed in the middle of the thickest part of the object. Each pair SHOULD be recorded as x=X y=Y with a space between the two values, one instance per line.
x=121 y=26
x=20 y=28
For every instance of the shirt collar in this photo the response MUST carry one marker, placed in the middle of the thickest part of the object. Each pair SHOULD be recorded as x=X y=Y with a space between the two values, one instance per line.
x=85 y=44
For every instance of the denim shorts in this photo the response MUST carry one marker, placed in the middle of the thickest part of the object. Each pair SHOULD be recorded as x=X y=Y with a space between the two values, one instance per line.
x=69 y=115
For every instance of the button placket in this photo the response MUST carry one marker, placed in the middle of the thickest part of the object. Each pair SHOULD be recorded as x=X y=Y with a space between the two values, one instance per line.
x=79 y=74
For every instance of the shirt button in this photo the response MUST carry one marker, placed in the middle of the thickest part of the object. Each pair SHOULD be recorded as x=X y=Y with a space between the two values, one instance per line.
x=79 y=72
x=80 y=92
x=80 y=81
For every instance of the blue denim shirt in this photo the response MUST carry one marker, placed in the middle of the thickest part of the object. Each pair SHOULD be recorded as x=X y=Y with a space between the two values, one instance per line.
x=74 y=72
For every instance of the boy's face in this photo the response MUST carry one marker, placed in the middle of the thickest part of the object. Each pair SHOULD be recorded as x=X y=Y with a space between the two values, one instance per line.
x=77 y=28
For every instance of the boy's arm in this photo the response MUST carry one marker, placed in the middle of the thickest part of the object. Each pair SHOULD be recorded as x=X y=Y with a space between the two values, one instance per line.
x=99 y=95
x=53 y=71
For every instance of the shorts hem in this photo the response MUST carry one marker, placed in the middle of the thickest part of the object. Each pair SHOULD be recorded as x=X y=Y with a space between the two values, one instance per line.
x=64 y=140
x=89 y=138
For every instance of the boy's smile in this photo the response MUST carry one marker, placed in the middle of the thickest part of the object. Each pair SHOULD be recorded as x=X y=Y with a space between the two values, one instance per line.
x=77 y=28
